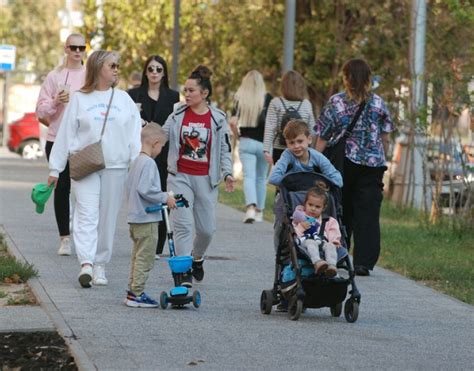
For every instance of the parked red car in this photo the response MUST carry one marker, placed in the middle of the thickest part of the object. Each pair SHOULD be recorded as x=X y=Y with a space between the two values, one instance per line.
x=24 y=137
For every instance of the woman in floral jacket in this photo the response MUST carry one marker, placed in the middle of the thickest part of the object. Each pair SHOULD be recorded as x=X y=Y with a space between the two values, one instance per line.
x=364 y=162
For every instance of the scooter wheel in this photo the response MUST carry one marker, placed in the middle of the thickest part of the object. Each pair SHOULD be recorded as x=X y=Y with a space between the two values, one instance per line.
x=164 y=300
x=196 y=299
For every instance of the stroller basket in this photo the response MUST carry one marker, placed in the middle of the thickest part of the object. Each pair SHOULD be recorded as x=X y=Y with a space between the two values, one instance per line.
x=329 y=293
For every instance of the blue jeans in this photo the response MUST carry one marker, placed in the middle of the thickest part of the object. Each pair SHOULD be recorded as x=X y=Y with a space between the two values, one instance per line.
x=255 y=170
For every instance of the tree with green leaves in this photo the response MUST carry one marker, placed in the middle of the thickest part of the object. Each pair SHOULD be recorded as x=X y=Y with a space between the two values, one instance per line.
x=33 y=27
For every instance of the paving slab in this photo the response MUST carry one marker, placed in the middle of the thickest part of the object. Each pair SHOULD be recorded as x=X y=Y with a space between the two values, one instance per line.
x=24 y=319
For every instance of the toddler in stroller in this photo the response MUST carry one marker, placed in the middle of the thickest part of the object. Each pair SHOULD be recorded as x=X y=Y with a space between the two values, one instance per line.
x=296 y=279
x=312 y=233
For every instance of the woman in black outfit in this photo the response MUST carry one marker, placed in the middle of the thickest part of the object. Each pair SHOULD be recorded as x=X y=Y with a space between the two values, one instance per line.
x=155 y=102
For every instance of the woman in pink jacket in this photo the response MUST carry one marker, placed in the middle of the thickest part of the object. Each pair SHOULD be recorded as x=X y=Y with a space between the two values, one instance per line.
x=54 y=95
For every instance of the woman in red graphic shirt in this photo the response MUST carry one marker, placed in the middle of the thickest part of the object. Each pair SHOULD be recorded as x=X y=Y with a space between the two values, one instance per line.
x=200 y=156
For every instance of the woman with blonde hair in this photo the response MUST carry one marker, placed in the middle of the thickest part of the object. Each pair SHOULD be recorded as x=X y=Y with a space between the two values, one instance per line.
x=98 y=195
x=248 y=124
x=293 y=98
x=54 y=96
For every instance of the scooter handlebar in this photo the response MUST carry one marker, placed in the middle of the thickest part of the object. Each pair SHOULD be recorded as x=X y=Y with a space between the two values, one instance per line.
x=180 y=202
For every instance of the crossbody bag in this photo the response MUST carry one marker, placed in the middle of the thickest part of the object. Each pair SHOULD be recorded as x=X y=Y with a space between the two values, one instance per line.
x=337 y=152
x=91 y=158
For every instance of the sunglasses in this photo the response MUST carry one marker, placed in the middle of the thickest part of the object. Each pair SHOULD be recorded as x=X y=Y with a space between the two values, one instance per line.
x=156 y=69
x=114 y=66
x=79 y=48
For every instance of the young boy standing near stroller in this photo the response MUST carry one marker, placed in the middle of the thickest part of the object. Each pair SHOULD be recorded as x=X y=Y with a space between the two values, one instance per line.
x=307 y=220
x=143 y=190
x=298 y=156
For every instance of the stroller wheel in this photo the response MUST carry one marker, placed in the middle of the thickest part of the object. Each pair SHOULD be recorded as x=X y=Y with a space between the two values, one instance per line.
x=295 y=308
x=336 y=310
x=266 y=301
x=164 y=300
x=351 y=310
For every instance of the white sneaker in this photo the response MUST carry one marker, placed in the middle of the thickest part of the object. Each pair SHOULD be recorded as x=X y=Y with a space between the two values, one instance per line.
x=85 y=276
x=98 y=275
x=249 y=216
x=157 y=257
x=65 y=247
x=259 y=216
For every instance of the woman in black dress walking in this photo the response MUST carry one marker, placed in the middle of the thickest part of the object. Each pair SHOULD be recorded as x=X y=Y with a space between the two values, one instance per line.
x=155 y=101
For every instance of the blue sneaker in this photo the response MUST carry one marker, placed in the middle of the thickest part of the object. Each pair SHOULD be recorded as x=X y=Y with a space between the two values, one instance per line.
x=142 y=301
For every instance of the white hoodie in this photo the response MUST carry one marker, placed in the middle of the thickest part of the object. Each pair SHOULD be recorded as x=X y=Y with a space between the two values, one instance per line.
x=81 y=125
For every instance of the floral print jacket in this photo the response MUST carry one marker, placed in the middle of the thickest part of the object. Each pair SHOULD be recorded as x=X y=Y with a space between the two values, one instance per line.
x=364 y=146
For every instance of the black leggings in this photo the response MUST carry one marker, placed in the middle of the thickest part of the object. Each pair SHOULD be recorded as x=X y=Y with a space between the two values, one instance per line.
x=362 y=199
x=61 y=197
x=276 y=154
x=163 y=169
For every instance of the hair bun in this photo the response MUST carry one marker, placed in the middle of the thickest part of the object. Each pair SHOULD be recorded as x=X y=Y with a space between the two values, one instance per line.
x=321 y=185
x=202 y=71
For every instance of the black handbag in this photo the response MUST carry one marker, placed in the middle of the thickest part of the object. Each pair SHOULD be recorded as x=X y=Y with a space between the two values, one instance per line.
x=337 y=152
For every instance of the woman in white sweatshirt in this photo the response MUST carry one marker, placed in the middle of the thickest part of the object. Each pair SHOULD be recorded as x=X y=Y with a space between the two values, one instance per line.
x=98 y=195
x=53 y=98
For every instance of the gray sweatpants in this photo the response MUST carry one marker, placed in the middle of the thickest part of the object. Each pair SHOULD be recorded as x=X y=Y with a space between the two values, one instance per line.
x=201 y=213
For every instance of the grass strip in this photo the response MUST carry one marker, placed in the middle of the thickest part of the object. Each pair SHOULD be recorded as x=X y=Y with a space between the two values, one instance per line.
x=438 y=256
x=15 y=271
x=11 y=270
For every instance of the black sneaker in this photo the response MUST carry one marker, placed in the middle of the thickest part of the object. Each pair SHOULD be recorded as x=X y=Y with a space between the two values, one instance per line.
x=198 y=271
x=360 y=270
x=187 y=280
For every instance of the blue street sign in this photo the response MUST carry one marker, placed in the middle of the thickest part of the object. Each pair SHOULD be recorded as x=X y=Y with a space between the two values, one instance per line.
x=7 y=57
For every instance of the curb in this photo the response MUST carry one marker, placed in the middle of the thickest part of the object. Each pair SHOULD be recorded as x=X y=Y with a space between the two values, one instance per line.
x=80 y=356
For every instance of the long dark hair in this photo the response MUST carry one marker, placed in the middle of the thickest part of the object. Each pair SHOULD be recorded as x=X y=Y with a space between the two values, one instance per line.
x=357 y=79
x=164 y=80
x=202 y=75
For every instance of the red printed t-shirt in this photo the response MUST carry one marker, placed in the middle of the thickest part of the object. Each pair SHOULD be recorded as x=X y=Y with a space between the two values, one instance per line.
x=195 y=143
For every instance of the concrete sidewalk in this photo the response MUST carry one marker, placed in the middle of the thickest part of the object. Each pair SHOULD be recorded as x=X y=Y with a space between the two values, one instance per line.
x=401 y=325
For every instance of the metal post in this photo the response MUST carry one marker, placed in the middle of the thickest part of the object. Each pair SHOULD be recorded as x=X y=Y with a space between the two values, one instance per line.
x=415 y=190
x=174 y=68
x=420 y=40
x=289 y=36
x=5 y=110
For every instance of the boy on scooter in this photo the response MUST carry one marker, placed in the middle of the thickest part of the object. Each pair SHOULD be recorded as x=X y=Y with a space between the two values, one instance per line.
x=143 y=190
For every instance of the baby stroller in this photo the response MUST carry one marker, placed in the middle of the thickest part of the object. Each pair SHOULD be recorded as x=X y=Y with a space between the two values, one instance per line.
x=295 y=279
